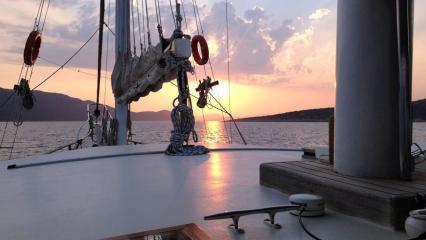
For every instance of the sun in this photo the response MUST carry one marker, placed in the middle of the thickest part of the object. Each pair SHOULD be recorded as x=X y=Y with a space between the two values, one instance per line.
x=221 y=90
x=213 y=47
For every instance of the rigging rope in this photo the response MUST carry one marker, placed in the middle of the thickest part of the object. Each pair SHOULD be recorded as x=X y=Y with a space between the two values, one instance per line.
x=148 y=31
x=13 y=142
x=139 y=26
x=173 y=14
x=108 y=27
x=7 y=99
x=143 y=24
x=107 y=52
x=7 y=120
x=4 y=133
x=66 y=62
x=159 y=23
x=232 y=119
x=39 y=14
x=198 y=22
x=221 y=109
x=45 y=16
x=133 y=28
x=158 y=12
x=192 y=62
x=31 y=52
x=228 y=64
x=68 y=68
x=183 y=123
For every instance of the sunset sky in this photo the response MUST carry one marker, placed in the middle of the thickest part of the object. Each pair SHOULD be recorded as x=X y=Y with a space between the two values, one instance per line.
x=282 y=52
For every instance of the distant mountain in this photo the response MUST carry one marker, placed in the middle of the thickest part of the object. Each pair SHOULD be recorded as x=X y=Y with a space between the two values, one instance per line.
x=59 y=107
x=310 y=115
x=323 y=114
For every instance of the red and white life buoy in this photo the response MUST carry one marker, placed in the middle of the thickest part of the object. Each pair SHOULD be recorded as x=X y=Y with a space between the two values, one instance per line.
x=32 y=48
x=204 y=58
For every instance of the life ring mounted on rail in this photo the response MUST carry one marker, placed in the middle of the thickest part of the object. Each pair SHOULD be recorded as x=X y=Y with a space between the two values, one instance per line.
x=204 y=58
x=32 y=48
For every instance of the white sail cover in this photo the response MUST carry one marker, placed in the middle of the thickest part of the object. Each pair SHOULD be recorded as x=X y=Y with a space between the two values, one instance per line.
x=145 y=74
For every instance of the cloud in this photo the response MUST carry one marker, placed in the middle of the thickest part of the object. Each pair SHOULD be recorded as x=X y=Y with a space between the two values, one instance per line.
x=252 y=42
x=260 y=53
x=68 y=25
x=319 y=13
x=255 y=15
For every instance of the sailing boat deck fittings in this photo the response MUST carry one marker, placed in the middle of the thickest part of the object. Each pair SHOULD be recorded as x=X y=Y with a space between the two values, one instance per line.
x=236 y=215
x=314 y=204
x=203 y=89
x=181 y=48
x=182 y=114
x=23 y=90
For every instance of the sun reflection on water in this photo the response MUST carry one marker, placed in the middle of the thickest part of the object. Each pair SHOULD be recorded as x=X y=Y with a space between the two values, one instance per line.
x=214 y=132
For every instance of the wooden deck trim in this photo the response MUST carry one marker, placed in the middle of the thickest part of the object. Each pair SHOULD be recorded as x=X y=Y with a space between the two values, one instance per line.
x=383 y=201
x=191 y=231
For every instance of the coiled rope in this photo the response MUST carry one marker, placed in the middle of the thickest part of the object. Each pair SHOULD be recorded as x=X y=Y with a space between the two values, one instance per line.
x=183 y=125
x=182 y=115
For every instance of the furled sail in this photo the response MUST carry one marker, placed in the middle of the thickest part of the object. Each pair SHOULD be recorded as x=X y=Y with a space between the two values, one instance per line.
x=148 y=72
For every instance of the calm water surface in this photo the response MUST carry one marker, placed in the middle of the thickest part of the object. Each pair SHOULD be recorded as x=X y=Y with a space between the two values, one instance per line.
x=36 y=138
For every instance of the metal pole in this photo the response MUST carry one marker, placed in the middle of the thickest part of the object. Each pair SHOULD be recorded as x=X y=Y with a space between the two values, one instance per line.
x=123 y=53
x=405 y=53
x=101 y=33
x=368 y=90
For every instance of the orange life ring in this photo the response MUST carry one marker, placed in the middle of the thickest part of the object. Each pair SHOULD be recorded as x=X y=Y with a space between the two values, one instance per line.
x=32 y=48
x=204 y=58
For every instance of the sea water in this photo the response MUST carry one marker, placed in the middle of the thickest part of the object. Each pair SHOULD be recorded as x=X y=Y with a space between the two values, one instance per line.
x=35 y=138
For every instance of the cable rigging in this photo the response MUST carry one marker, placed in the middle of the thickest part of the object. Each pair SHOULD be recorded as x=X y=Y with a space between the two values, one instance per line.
x=133 y=26
x=67 y=61
x=30 y=56
x=228 y=60
x=68 y=68
x=148 y=31
x=139 y=26
x=201 y=30
x=143 y=25
x=173 y=14
x=107 y=53
x=97 y=112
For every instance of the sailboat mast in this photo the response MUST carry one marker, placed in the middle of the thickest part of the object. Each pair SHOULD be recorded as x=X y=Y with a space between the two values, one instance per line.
x=101 y=34
x=122 y=51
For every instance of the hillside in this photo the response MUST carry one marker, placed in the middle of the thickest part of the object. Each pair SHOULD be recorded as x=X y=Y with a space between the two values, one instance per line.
x=323 y=114
x=59 y=107
x=310 y=115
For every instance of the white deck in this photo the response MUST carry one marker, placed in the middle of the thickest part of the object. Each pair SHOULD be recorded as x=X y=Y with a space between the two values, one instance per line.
x=112 y=196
